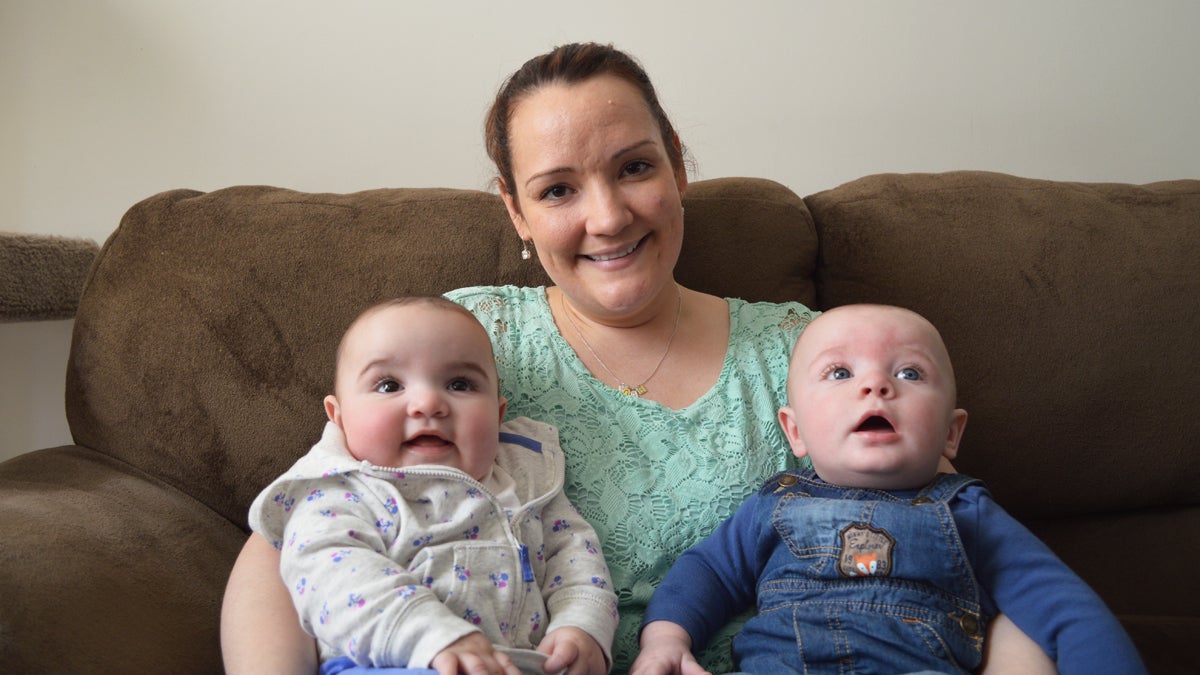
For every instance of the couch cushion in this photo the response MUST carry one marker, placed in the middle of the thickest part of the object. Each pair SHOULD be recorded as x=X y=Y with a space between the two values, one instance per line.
x=204 y=339
x=1071 y=312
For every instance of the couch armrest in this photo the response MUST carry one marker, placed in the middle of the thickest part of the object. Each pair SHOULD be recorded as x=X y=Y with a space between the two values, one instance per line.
x=103 y=569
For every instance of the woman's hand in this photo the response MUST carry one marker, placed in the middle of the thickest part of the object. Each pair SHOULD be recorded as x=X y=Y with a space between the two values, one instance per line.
x=473 y=655
x=666 y=649
x=571 y=648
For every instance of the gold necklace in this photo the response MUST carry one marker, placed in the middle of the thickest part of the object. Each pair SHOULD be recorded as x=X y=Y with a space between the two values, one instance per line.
x=639 y=390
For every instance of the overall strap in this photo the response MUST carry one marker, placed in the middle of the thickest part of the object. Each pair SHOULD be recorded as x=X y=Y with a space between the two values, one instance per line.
x=944 y=486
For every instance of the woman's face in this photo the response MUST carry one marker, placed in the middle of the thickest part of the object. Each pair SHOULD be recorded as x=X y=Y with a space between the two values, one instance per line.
x=595 y=190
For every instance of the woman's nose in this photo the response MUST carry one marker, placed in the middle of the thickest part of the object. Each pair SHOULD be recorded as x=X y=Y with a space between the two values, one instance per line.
x=608 y=213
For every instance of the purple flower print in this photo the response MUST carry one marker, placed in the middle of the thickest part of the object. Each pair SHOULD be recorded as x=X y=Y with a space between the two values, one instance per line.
x=499 y=580
x=285 y=502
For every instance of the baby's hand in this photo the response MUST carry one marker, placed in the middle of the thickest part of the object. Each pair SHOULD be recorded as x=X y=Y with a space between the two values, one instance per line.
x=571 y=648
x=473 y=655
x=666 y=650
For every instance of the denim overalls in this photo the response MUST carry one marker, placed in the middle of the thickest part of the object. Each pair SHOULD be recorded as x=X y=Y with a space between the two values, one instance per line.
x=863 y=581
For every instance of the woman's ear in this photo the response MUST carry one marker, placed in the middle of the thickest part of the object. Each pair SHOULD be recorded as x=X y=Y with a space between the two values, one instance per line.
x=958 y=424
x=681 y=178
x=514 y=211
x=787 y=420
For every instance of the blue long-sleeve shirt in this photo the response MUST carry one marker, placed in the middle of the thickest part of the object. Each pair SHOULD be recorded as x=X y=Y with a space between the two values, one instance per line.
x=1017 y=573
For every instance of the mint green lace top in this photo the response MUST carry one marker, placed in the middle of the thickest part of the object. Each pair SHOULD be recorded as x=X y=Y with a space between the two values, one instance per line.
x=651 y=480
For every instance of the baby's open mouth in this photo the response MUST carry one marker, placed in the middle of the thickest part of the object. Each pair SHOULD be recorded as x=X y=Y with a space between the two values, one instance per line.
x=426 y=440
x=875 y=423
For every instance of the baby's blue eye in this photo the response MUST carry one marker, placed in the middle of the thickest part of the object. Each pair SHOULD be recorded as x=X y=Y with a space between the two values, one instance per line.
x=839 y=374
x=909 y=374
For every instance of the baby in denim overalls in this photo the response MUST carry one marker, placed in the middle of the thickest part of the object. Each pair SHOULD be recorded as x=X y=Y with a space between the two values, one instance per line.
x=873 y=561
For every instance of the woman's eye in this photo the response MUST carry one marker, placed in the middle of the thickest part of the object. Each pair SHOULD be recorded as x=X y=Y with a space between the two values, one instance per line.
x=387 y=386
x=555 y=192
x=909 y=374
x=838 y=373
x=635 y=168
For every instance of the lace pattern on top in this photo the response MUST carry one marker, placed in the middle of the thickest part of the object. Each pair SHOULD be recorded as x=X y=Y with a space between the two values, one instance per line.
x=651 y=480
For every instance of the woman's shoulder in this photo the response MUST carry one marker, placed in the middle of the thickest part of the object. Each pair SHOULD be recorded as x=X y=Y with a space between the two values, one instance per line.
x=491 y=300
x=756 y=321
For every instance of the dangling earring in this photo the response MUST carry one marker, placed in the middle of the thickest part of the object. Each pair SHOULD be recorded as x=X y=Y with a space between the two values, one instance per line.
x=525 y=254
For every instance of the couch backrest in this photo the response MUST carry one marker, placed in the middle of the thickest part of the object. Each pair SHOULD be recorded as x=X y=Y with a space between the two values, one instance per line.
x=205 y=334
x=1072 y=314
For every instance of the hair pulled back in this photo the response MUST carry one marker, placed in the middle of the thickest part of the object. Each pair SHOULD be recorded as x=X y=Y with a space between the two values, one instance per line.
x=568 y=64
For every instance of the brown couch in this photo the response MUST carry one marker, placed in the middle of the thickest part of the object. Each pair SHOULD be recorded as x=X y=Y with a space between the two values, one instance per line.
x=205 y=334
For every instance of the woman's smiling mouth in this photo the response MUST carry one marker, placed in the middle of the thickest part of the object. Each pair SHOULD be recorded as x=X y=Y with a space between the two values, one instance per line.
x=619 y=254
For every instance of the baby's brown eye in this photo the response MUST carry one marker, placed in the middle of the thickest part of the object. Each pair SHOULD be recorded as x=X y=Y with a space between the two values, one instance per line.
x=460 y=385
x=387 y=386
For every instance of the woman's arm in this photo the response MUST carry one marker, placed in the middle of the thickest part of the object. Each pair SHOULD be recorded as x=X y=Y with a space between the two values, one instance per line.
x=260 y=630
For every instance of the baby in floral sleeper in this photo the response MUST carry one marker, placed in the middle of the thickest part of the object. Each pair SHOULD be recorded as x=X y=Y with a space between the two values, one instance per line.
x=420 y=532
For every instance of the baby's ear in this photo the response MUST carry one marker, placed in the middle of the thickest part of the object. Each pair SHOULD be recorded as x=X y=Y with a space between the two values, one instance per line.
x=787 y=420
x=332 y=411
x=958 y=423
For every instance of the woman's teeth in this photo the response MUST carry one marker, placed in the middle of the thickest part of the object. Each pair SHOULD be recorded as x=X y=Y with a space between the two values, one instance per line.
x=614 y=256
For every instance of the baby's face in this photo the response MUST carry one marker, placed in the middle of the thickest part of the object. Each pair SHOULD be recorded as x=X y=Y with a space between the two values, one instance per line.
x=871 y=398
x=416 y=384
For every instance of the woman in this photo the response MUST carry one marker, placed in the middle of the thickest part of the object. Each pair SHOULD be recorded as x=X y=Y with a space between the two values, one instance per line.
x=666 y=398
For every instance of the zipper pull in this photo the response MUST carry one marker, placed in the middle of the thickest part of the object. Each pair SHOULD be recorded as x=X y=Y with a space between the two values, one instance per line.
x=526 y=567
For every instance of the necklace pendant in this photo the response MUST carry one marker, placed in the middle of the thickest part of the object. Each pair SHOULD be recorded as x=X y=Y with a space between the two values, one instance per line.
x=625 y=390
x=640 y=390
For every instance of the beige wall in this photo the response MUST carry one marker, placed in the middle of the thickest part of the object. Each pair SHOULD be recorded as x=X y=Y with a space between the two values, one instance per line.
x=106 y=102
